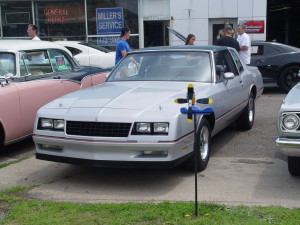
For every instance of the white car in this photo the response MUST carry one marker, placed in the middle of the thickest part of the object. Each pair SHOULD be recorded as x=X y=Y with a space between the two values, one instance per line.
x=88 y=54
x=288 y=126
x=132 y=120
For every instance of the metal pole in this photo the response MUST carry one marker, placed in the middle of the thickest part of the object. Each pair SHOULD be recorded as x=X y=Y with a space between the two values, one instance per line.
x=196 y=162
x=196 y=155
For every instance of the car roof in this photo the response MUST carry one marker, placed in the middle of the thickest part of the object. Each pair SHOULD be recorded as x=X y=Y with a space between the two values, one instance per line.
x=28 y=45
x=67 y=42
x=277 y=44
x=186 y=47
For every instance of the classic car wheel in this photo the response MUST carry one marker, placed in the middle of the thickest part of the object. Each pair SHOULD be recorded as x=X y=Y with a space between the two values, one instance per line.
x=289 y=78
x=203 y=147
x=246 y=119
x=294 y=165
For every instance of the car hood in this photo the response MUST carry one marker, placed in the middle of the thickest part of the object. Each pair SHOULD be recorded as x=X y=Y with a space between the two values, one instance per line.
x=291 y=101
x=128 y=95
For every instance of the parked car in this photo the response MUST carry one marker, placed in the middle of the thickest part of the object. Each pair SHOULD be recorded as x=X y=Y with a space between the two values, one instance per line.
x=278 y=63
x=288 y=126
x=88 y=54
x=27 y=83
x=131 y=120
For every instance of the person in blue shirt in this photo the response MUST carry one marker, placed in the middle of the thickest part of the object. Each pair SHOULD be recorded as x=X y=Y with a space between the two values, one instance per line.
x=122 y=45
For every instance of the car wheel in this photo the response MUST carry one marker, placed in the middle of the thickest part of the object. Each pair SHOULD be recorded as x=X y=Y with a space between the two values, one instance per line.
x=246 y=119
x=289 y=78
x=294 y=165
x=203 y=147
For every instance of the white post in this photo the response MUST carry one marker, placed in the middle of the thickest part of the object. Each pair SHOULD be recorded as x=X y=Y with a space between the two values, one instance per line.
x=141 y=23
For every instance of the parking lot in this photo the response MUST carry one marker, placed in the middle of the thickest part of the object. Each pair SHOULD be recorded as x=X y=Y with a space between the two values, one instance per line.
x=245 y=168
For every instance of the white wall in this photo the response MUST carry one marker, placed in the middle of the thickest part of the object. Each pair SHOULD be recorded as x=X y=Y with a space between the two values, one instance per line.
x=193 y=16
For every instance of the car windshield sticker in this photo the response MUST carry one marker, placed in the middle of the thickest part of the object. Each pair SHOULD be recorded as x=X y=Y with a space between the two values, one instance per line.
x=60 y=62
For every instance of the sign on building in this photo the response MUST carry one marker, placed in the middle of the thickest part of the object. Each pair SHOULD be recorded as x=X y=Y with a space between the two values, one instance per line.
x=254 y=26
x=109 y=21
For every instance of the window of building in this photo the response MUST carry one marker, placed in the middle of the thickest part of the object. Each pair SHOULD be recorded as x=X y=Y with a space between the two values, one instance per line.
x=130 y=17
x=15 y=17
x=60 y=20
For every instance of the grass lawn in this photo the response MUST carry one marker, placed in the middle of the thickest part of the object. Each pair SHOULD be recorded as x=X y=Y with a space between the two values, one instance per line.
x=17 y=208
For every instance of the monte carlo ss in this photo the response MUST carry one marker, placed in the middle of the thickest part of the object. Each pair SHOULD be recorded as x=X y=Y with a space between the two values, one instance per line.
x=131 y=120
x=33 y=73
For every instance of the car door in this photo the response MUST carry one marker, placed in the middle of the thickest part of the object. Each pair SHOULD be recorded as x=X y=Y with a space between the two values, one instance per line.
x=231 y=91
x=10 y=111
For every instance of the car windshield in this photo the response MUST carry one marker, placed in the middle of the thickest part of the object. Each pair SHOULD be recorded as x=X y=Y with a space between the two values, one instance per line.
x=164 y=66
x=7 y=64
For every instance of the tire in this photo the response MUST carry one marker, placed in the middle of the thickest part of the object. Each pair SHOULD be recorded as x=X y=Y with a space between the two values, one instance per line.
x=294 y=165
x=289 y=78
x=246 y=119
x=203 y=147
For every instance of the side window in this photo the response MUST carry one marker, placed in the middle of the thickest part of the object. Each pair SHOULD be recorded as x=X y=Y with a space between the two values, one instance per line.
x=74 y=51
x=59 y=61
x=223 y=64
x=257 y=50
x=271 y=50
x=237 y=61
x=35 y=63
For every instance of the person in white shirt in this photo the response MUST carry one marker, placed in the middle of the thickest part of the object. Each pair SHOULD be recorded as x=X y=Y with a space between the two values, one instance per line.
x=36 y=57
x=245 y=44
x=32 y=31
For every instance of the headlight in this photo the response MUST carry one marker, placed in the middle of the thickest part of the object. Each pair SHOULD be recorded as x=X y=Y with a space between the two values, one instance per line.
x=59 y=124
x=51 y=124
x=46 y=123
x=145 y=128
x=290 y=122
x=162 y=128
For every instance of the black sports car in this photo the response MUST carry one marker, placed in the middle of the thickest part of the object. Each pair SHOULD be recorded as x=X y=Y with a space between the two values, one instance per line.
x=278 y=63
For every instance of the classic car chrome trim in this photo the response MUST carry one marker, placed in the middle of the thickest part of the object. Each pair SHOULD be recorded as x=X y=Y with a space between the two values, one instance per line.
x=288 y=146
x=288 y=142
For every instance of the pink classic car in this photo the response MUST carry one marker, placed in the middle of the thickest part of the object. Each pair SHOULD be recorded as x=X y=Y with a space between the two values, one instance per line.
x=32 y=73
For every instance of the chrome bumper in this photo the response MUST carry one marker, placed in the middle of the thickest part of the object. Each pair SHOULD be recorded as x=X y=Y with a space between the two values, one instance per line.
x=289 y=147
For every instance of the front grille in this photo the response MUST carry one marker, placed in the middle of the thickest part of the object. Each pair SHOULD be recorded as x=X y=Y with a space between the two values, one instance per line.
x=98 y=129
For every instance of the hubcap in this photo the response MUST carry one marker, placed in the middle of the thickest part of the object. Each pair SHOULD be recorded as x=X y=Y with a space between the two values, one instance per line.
x=204 y=143
x=292 y=77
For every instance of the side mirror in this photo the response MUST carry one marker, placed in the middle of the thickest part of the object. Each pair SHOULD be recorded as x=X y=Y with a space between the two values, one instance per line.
x=228 y=75
x=6 y=79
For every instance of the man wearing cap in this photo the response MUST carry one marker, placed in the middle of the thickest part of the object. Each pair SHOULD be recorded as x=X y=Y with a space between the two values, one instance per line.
x=245 y=44
x=227 y=39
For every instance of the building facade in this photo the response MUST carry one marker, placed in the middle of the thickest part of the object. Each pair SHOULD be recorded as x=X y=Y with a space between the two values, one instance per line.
x=99 y=21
